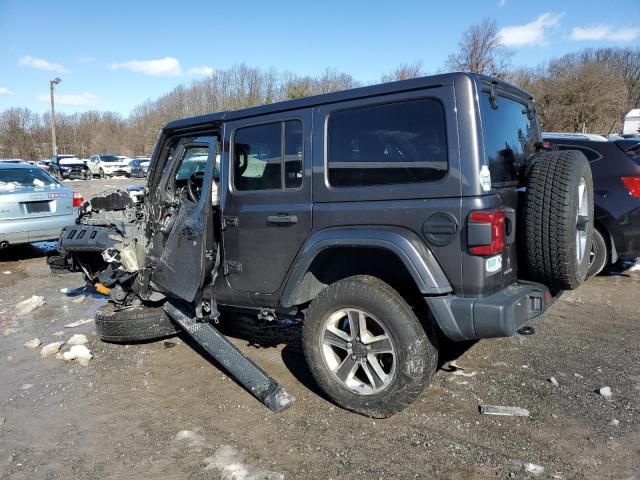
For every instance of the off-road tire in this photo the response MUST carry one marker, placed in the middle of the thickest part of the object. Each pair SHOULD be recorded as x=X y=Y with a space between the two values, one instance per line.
x=133 y=324
x=101 y=173
x=600 y=253
x=549 y=226
x=415 y=345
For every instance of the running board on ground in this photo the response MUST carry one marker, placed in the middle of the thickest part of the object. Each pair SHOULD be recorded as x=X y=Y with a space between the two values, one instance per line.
x=242 y=368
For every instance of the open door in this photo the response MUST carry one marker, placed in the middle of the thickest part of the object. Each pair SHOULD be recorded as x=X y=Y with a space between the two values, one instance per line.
x=185 y=244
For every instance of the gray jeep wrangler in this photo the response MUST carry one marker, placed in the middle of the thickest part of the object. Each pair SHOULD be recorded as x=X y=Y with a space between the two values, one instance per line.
x=385 y=217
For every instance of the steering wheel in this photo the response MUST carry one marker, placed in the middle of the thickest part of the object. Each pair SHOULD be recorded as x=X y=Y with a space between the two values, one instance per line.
x=194 y=186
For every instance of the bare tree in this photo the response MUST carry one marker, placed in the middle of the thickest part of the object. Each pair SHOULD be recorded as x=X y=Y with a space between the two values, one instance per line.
x=404 y=71
x=480 y=51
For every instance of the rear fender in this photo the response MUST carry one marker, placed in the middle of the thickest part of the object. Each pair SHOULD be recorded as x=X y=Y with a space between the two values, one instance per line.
x=410 y=249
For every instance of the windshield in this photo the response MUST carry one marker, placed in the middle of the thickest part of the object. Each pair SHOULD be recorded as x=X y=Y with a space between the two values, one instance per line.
x=18 y=178
x=109 y=158
x=509 y=137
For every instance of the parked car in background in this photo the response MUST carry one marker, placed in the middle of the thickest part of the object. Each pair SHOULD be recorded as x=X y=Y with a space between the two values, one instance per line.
x=68 y=167
x=108 y=165
x=140 y=166
x=44 y=164
x=615 y=165
x=11 y=160
x=33 y=205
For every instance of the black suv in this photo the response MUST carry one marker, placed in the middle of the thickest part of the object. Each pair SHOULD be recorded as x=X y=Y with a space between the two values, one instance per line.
x=68 y=167
x=383 y=216
x=615 y=164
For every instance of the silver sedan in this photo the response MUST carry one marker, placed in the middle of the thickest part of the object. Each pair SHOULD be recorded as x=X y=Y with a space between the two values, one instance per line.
x=33 y=205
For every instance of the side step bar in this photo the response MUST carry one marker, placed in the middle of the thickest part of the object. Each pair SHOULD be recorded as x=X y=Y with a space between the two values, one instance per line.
x=243 y=369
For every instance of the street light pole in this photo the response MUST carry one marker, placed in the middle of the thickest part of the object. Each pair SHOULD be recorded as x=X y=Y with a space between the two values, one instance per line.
x=52 y=84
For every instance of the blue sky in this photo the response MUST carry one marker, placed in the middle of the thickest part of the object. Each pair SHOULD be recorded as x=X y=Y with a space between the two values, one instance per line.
x=114 y=55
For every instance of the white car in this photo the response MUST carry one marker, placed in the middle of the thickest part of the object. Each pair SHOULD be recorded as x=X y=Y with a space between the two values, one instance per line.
x=109 y=165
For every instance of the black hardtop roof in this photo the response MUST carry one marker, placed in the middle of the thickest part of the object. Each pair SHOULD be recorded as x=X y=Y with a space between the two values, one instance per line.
x=326 y=98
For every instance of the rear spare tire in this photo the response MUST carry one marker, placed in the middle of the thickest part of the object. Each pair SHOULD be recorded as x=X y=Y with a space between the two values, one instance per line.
x=557 y=219
x=133 y=324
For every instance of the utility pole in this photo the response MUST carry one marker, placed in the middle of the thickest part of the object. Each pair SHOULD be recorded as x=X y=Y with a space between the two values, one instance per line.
x=52 y=84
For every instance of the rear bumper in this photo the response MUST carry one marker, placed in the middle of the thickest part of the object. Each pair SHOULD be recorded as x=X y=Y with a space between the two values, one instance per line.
x=28 y=230
x=496 y=315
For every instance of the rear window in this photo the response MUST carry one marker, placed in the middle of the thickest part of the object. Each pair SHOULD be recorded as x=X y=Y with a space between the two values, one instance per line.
x=19 y=178
x=631 y=147
x=509 y=137
x=387 y=144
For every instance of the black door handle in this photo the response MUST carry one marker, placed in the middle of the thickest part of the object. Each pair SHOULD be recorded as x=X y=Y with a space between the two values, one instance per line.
x=282 y=219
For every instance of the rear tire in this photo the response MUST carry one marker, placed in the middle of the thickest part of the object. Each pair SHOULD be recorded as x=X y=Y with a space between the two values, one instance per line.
x=557 y=224
x=133 y=324
x=380 y=372
x=599 y=254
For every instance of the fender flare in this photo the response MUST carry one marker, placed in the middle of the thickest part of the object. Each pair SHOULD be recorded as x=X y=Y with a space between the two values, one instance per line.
x=405 y=244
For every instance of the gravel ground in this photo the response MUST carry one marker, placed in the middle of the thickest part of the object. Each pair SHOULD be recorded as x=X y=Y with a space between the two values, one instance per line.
x=163 y=410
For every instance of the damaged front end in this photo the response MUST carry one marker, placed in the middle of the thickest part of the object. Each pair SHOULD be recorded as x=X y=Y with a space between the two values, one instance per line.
x=107 y=244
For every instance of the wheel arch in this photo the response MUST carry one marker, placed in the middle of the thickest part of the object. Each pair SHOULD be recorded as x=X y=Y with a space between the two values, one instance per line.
x=393 y=254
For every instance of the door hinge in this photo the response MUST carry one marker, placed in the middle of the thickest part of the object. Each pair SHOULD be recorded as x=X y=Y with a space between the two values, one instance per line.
x=230 y=222
x=232 y=267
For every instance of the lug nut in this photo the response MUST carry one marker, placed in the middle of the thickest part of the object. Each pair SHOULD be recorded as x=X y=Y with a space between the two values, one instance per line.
x=353 y=357
x=357 y=339
x=349 y=345
x=368 y=347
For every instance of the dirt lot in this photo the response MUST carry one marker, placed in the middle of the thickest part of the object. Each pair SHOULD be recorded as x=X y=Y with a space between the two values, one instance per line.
x=162 y=410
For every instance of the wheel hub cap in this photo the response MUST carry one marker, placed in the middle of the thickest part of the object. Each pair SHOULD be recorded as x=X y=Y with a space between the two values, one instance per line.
x=358 y=351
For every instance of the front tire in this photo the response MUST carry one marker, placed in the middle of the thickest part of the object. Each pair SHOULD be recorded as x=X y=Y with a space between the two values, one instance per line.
x=101 y=173
x=366 y=348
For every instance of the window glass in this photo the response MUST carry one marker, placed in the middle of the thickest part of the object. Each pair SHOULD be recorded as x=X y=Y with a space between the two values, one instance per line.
x=509 y=138
x=265 y=154
x=386 y=144
x=293 y=154
x=194 y=160
x=590 y=154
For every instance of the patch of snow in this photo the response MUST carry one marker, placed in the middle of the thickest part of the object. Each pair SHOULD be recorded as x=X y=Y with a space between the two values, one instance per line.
x=77 y=339
x=26 y=386
x=9 y=331
x=80 y=299
x=533 y=468
x=636 y=266
x=80 y=353
x=192 y=438
x=50 y=349
x=231 y=466
x=7 y=272
x=35 y=343
x=78 y=323
x=605 y=392
x=29 y=305
x=59 y=333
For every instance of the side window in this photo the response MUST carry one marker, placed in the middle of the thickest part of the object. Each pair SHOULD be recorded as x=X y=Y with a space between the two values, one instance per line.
x=194 y=160
x=268 y=157
x=590 y=154
x=387 y=144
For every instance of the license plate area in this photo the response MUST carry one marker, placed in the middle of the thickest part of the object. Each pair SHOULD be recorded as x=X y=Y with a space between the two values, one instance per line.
x=38 y=207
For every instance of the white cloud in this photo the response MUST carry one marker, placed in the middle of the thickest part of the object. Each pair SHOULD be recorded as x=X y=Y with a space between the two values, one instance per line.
x=5 y=91
x=162 y=67
x=202 y=71
x=40 y=64
x=532 y=33
x=605 y=32
x=85 y=59
x=83 y=99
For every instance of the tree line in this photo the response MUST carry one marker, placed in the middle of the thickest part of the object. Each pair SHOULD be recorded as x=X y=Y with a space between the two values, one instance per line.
x=586 y=91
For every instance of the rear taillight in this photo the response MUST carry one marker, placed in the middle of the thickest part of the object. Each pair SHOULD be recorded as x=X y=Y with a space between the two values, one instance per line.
x=632 y=184
x=485 y=234
x=546 y=145
x=77 y=199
